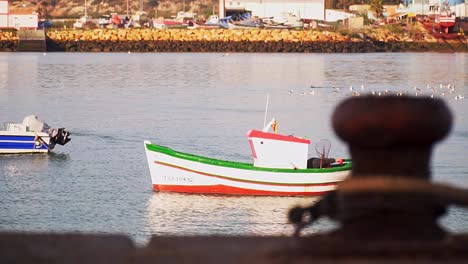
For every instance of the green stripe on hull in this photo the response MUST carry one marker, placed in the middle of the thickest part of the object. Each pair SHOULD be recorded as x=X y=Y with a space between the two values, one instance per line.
x=271 y=183
x=239 y=165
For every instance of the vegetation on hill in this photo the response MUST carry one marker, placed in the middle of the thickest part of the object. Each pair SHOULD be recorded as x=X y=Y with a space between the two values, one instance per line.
x=155 y=8
x=95 y=8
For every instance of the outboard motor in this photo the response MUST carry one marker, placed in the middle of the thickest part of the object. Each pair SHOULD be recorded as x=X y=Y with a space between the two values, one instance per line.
x=58 y=136
x=62 y=137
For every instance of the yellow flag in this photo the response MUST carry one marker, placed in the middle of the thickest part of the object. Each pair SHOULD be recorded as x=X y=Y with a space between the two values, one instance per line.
x=274 y=126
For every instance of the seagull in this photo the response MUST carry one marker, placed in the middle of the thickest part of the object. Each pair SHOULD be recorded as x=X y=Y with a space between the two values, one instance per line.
x=362 y=87
x=351 y=88
x=291 y=92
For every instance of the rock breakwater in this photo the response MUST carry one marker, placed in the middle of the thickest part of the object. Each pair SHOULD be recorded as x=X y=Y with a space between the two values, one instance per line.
x=8 y=41
x=245 y=40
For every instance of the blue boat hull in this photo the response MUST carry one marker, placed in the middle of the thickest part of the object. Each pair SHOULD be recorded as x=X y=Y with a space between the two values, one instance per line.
x=23 y=144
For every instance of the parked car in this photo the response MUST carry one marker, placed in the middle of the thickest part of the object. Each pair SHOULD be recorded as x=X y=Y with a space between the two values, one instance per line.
x=44 y=24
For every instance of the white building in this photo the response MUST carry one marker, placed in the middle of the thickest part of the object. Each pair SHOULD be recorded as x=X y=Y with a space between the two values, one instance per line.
x=3 y=14
x=18 y=21
x=336 y=15
x=428 y=7
x=306 y=9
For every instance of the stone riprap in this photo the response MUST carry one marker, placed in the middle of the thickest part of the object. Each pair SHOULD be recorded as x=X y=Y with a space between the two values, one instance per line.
x=8 y=41
x=240 y=40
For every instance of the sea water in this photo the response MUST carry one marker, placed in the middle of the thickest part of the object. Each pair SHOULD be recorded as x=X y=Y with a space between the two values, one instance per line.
x=201 y=103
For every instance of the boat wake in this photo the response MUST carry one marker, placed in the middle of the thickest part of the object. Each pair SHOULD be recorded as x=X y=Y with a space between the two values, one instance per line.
x=102 y=137
x=461 y=134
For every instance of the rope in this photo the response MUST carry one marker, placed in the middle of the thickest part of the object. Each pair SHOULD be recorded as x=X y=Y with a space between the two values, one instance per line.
x=442 y=194
x=383 y=184
x=37 y=137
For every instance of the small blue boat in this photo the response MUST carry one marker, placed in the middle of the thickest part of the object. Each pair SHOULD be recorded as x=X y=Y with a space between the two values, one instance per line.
x=31 y=136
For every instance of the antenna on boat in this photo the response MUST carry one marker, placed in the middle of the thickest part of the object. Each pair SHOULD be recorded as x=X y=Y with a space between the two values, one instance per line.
x=323 y=149
x=266 y=110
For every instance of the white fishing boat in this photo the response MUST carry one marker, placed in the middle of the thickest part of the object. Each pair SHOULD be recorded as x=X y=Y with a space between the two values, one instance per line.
x=285 y=20
x=31 y=136
x=281 y=168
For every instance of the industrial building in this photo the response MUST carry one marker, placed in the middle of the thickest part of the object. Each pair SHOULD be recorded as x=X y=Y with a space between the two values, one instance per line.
x=18 y=21
x=428 y=7
x=306 y=9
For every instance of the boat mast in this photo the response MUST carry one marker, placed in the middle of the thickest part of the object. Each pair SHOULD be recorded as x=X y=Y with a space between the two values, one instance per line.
x=266 y=110
x=127 y=8
x=85 y=9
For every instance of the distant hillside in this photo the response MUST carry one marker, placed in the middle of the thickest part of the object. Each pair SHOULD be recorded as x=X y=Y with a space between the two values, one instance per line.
x=75 y=8
x=155 y=8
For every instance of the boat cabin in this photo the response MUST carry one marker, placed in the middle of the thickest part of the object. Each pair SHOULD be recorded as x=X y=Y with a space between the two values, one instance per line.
x=273 y=150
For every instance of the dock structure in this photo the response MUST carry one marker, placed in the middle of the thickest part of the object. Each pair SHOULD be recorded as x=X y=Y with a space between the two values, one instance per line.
x=387 y=210
x=31 y=41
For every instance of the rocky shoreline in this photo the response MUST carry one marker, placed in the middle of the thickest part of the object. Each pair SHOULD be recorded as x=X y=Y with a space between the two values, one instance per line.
x=245 y=40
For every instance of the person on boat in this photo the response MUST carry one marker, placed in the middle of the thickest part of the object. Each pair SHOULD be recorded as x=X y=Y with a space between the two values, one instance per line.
x=272 y=124
x=129 y=23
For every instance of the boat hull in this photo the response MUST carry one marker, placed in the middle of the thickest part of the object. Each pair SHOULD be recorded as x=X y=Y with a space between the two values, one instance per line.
x=173 y=171
x=29 y=142
x=444 y=21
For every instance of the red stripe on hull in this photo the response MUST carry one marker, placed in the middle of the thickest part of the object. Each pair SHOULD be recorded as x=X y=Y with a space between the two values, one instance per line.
x=446 y=24
x=228 y=190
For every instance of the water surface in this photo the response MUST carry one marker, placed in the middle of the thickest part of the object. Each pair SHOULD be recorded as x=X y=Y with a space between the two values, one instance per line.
x=201 y=103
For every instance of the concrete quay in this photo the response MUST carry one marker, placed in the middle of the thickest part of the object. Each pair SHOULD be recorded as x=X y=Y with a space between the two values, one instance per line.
x=117 y=249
